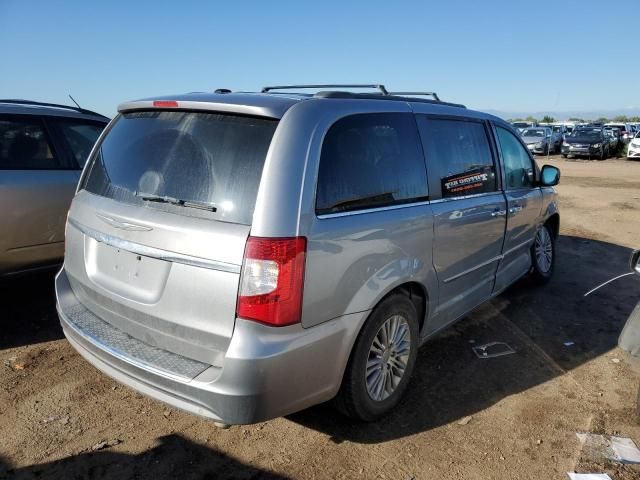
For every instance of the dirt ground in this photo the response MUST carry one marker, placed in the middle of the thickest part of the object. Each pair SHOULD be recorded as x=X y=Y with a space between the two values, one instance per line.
x=61 y=418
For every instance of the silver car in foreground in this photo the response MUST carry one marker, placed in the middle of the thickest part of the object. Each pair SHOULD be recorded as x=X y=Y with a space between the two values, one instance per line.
x=243 y=256
x=43 y=148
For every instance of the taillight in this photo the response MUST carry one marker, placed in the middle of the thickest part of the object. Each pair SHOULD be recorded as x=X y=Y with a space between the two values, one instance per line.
x=272 y=280
x=165 y=103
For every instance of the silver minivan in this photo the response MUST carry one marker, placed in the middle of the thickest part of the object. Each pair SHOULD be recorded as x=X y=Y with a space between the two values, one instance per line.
x=243 y=256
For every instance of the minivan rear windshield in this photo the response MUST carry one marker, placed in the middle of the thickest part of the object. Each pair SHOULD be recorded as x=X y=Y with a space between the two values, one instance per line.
x=196 y=157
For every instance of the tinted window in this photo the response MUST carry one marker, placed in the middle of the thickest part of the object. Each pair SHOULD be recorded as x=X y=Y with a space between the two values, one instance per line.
x=24 y=145
x=202 y=158
x=371 y=160
x=460 y=153
x=518 y=167
x=80 y=137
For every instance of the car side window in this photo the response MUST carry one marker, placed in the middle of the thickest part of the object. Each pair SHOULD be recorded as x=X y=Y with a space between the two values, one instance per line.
x=24 y=145
x=518 y=166
x=459 y=152
x=79 y=137
x=371 y=160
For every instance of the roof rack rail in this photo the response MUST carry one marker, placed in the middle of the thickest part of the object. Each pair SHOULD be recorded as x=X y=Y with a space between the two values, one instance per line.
x=376 y=86
x=382 y=94
x=44 y=104
x=422 y=94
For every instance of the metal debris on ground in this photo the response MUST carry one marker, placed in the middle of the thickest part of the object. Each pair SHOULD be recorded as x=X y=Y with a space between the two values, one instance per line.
x=588 y=476
x=105 y=444
x=492 y=350
x=617 y=449
x=465 y=420
x=615 y=360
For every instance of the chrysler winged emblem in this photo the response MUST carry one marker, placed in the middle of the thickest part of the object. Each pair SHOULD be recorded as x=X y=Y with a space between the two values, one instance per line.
x=123 y=225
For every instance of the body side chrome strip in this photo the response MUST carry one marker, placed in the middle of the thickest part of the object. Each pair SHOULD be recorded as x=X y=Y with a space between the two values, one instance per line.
x=473 y=269
x=491 y=260
x=372 y=210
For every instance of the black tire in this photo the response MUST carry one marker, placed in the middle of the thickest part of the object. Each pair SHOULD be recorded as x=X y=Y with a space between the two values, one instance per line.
x=540 y=272
x=353 y=399
x=564 y=155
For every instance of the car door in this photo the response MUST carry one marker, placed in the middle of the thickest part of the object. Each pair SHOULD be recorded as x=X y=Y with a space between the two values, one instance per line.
x=524 y=206
x=36 y=188
x=468 y=213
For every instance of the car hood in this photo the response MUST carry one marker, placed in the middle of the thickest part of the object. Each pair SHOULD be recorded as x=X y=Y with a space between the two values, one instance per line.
x=583 y=140
x=529 y=140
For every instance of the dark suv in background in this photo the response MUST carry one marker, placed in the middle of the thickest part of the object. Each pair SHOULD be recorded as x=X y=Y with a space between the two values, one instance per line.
x=586 y=142
x=43 y=148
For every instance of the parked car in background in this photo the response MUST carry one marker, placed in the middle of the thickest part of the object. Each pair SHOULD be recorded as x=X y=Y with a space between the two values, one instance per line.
x=43 y=148
x=617 y=134
x=557 y=136
x=625 y=131
x=540 y=140
x=312 y=248
x=560 y=129
x=612 y=140
x=586 y=142
x=634 y=148
x=520 y=126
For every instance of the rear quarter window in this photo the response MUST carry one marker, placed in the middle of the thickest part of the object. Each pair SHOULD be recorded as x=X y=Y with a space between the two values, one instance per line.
x=369 y=161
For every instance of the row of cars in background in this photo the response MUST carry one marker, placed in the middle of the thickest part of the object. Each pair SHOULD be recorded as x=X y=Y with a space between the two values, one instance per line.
x=593 y=140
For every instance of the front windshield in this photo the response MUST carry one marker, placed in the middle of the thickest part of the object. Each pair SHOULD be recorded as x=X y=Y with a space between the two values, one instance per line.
x=586 y=133
x=533 y=132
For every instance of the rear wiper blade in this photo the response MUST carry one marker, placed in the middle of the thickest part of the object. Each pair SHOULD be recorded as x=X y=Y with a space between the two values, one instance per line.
x=152 y=197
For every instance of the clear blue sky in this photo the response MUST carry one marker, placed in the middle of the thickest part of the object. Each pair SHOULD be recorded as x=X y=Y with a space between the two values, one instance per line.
x=489 y=54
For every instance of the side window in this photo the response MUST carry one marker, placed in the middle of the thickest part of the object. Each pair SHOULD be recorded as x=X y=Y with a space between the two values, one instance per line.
x=24 y=145
x=459 y=152
x=79 y=137
x=518 y=167
x=371 y=160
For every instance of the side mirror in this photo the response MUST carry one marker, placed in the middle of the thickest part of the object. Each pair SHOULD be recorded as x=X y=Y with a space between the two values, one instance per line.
x=634 y=262
x=549 y=176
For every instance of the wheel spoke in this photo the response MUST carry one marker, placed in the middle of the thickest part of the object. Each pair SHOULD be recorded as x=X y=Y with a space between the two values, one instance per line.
x=398 y=363
x=373 y=364
x=377 y=347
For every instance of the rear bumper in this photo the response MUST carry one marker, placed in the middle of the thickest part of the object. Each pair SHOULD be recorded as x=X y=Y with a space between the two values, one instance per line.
x=267 y=372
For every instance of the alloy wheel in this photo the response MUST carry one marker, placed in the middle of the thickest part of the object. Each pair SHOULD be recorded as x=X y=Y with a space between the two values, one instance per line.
x=543 y=249
x=388 y=358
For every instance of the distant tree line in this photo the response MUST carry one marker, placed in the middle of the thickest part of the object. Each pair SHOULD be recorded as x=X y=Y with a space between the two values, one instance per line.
x=549 y=119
